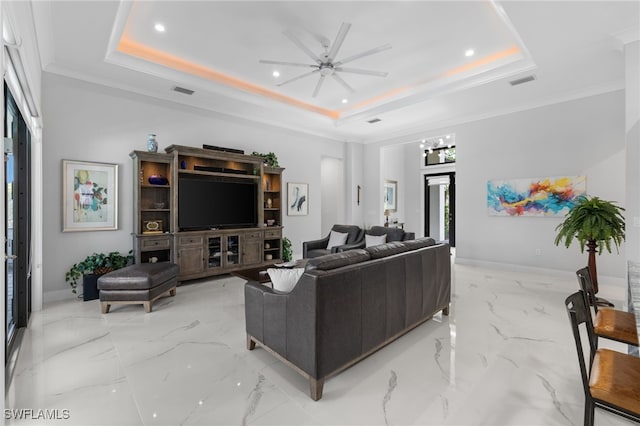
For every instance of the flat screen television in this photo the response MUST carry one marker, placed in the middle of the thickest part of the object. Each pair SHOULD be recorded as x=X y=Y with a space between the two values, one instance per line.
x=210 y=203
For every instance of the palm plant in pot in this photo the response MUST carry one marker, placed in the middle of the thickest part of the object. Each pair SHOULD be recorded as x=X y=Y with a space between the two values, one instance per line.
x=91 y=268
x=594 y=223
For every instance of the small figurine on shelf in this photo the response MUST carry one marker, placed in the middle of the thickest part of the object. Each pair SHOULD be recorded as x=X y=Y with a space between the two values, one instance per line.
x=269 y=203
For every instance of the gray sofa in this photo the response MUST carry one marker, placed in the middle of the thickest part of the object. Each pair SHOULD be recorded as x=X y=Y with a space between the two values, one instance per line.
x=348 y=305
x=319 y=247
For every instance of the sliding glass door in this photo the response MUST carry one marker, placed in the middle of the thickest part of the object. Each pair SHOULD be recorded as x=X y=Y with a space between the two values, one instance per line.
x=17 y=172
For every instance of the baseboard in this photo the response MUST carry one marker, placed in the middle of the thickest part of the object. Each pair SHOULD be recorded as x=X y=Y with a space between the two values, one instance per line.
x=609 y=280
x=58 y=295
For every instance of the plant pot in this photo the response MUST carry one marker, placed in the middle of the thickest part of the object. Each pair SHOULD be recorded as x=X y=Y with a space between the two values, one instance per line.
x=90 y=287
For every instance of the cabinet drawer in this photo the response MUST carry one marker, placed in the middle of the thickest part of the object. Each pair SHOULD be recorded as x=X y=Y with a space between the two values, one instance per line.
x=155 y=243
x=273 y=233
x=254 y=235
x=188 y=240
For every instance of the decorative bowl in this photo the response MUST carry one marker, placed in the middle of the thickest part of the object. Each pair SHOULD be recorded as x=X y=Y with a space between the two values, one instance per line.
x=271 y=222
x=158 y=180
x=158 y=205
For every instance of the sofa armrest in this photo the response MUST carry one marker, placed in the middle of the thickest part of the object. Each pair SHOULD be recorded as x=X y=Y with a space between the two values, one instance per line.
x=265 y=315
x=313 y=245
x=409 y=236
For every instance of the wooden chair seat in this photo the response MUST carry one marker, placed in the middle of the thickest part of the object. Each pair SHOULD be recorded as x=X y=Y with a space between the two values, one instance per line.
x=608 y=323
x=616 y=325
x=615 y=379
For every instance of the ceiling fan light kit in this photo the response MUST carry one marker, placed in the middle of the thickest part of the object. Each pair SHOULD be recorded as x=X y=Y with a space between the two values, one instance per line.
x=325 y=64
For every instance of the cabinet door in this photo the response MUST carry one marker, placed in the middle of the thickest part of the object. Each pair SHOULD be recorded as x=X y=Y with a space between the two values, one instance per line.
x=191 y=260
x=232 y=250
x=251 y=251
x=216 y=252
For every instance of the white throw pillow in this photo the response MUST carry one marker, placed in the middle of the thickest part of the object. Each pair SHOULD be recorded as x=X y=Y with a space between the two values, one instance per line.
x=337 y=239
x=374 y=240
x=284 y=280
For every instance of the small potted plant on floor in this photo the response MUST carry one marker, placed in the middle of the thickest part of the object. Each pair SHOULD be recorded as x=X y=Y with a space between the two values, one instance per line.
x=91 y=268
x=287 y=253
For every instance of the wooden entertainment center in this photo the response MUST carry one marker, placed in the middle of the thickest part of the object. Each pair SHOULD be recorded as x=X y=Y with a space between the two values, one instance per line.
x=157 y=235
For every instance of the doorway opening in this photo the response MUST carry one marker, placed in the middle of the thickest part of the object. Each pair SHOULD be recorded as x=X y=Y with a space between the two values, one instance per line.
x=440 y=207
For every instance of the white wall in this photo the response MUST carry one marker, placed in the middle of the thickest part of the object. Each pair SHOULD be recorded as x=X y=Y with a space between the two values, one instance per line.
x=632 y=126
x=393 y=167
x=333 y=193
x=89 y=122
x=581 y=137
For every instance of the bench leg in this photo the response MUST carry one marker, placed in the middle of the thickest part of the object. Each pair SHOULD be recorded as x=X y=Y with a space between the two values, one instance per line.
x=147 y=306
x=445 y=311
x=172 y=292
x=316 y=388
x=105 y=307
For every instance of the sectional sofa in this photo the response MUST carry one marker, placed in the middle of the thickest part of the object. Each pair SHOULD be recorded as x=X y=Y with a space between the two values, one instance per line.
x=348 y=305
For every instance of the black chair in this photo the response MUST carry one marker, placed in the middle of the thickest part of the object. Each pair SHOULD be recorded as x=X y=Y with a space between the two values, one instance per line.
x=317 y=248
x=611 y=380
x=608 y=323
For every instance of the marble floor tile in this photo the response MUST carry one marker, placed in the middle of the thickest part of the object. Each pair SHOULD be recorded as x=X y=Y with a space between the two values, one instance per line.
x=504 y=356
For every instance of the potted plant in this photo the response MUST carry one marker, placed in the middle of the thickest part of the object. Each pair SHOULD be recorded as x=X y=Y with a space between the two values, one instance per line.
x=91 y=268
x=270 y=159
x=595 y=223
x=287 y=253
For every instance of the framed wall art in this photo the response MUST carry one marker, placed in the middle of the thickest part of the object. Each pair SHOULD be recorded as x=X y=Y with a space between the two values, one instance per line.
x=89 y=196
x=391 y=195
x=542 y=197
x=297 y=199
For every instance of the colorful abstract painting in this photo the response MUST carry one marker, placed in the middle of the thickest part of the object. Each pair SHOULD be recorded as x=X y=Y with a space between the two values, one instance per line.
x=552 y=196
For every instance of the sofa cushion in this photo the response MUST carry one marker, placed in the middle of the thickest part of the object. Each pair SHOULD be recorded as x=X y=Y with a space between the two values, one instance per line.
x=284 y=280
x=337 y=239
x=393 y=234
x=388 y=249
x=420 y=243
x=354 y=232
x=337 y=260
x=374 y=240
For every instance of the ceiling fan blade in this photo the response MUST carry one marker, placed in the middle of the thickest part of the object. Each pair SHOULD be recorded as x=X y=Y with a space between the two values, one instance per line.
x=344 y=83
x=317 y=89
x=298 y=77
x=342 y=33
x=360 y=55
x=304 y=48
x=359 y=71
x=291 y=64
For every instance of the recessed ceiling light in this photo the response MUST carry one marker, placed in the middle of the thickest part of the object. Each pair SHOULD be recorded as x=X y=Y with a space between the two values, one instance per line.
x=424 y=154
x=449 y=146
x=440 y=142
x=421 y=145
x=345 y=100
x=469 y=52
x=159 y=27
x=448 y=136
x=276 y=73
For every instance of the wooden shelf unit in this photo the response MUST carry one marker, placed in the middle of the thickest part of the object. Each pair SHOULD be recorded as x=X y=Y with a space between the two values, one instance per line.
x=153 y=207
x=206 y=252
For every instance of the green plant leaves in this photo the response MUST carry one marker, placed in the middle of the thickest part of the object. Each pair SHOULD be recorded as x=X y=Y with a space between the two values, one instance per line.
x=96 y=261
x=593 y=219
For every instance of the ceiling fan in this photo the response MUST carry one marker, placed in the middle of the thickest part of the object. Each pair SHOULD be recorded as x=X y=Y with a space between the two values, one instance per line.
x=325 y=64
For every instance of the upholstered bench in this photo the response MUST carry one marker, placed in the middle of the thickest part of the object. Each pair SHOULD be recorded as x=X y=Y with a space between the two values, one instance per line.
x=141 y=283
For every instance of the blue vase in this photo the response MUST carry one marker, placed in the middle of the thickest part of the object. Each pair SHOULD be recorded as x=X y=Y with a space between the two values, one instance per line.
x=152 y=144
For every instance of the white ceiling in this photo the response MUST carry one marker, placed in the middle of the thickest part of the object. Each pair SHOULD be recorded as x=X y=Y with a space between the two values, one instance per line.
x=214 y=48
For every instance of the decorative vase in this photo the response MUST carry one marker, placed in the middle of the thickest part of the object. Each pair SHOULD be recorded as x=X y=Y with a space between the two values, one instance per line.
x=158 y=180
x=269 y=203
x=90 y=287
x=152 y=144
